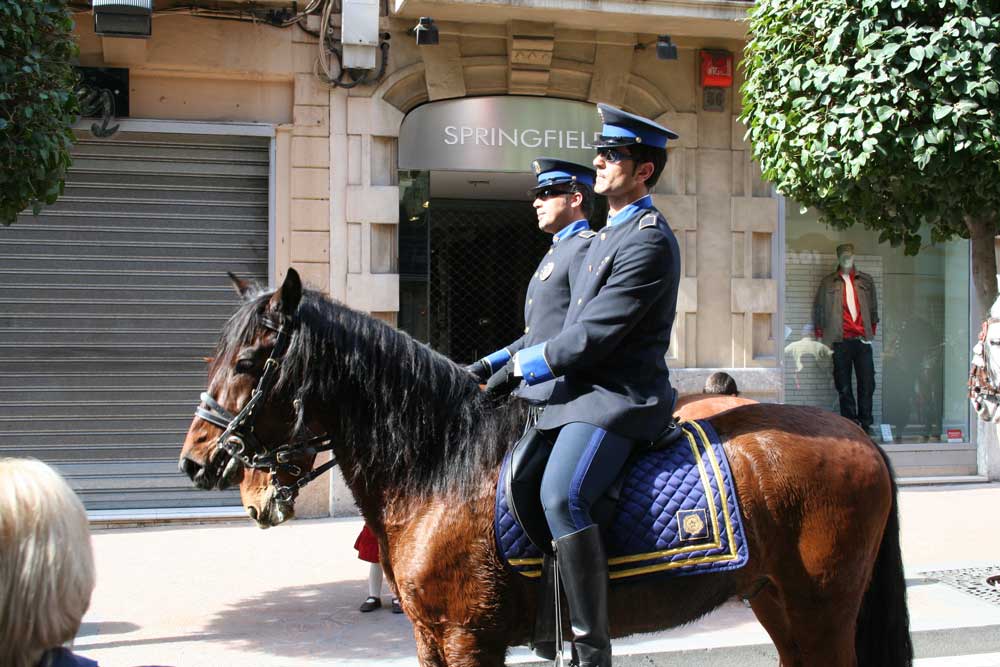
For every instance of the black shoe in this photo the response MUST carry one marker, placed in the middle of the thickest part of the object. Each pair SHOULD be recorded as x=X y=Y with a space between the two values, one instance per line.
x=396 y=607
x=583 y=568
x=371 y=604
x=543 y=637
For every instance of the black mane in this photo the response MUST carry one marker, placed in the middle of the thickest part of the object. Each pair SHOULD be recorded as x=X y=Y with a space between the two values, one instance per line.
x=414 y=419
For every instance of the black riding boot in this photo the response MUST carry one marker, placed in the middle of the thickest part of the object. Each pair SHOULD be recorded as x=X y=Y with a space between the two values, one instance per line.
x=583 y=567
x=543 y=638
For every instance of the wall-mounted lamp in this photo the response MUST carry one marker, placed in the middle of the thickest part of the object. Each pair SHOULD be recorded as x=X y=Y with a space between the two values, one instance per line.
x=426 y=31
x=665 y=49
x=123 y=18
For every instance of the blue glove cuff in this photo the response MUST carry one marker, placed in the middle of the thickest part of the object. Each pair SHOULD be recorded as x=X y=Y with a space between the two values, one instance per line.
x=497 y=360
x=534 y=367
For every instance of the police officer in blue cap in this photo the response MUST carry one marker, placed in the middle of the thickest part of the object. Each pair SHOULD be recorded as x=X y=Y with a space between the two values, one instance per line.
x=562 y=199
x=612 y=389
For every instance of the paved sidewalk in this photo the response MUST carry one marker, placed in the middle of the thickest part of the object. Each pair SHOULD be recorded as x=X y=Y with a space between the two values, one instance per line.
x=231 y=594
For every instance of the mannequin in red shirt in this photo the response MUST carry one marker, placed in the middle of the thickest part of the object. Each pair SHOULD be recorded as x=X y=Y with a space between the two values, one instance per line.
x=846 y=317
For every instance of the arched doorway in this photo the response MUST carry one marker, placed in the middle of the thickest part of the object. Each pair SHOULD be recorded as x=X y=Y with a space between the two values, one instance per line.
x=468 y=237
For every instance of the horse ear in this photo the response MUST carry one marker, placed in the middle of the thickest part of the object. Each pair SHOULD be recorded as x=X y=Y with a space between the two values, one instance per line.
x=286 y=298
x=241 y=286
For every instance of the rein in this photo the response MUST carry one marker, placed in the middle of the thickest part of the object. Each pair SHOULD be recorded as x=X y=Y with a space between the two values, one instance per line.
x=241 y=443
x=981 y=387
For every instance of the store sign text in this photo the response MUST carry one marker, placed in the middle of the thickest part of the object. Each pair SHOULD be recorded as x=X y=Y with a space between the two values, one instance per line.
x=497 y=134
x=530 y=138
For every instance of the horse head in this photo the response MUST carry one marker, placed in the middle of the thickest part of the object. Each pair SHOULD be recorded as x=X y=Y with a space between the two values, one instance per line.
x=984 y=376
x=247 y=412
x=400 y=418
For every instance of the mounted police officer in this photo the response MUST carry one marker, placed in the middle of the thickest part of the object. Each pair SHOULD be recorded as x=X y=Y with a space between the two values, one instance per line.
x=562 y=199
x=612 y=390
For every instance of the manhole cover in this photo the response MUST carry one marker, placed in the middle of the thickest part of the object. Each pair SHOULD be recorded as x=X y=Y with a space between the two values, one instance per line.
x=971 y=580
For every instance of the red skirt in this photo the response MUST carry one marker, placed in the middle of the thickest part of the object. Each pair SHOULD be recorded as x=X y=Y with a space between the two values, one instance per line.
x=367 y=545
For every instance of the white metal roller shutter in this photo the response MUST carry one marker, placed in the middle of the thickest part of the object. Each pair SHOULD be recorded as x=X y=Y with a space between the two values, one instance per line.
x=111 y=299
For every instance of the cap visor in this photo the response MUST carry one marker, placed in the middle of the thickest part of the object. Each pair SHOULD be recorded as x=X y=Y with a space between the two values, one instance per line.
x=614 y=142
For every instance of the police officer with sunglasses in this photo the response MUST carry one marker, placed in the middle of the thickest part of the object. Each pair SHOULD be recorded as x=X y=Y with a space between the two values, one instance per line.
x=612 y=389
x=562 y=199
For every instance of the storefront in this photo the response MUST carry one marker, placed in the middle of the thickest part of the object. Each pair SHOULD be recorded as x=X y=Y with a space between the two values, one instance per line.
x=405 y=197
x=919 y=355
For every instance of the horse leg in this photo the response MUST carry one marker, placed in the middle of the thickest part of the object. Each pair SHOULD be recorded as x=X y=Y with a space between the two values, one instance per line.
x=770 y=612
x=467 y=648
x=829 y=643
x=429 y=652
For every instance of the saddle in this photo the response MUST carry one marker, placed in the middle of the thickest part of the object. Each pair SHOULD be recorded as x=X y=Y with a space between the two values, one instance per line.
x=523 y=480
x=672 y=512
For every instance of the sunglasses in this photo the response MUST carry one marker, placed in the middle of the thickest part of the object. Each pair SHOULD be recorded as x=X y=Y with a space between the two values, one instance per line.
x=613 y=155
x=552 y=192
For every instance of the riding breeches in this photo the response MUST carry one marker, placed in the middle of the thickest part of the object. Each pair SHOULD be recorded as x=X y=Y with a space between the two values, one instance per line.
x=585 y=461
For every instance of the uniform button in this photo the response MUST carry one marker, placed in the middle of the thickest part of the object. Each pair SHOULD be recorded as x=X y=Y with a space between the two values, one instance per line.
x=590 y=267
x=550 y=251
x=526 y=329
x=536 y=275
x=530 y=301
x=579 y=301
x=607 y=258
x=531 y=374
x=604 y=236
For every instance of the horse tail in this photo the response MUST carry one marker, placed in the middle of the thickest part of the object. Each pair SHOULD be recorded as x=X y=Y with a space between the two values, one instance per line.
x=883 y=633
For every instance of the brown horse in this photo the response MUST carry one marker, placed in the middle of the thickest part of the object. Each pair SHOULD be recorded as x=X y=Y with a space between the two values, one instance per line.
x=258 y=493
x=703 y=406
x=420 y=447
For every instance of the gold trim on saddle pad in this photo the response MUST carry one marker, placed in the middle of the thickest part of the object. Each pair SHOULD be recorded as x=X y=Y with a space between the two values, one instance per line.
x=707 y=527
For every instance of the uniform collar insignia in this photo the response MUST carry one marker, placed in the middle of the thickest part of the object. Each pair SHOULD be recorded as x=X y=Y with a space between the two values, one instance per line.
x=641 y=204
x=571 y=230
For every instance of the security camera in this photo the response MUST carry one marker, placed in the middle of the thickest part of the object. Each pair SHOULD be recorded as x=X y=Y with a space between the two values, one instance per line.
x=426 y=31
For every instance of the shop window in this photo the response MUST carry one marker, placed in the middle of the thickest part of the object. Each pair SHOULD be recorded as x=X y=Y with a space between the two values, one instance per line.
x=915 y=358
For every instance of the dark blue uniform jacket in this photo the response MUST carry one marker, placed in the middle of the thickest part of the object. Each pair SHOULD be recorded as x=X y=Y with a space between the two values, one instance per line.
x=548 y=297
x=611 y=352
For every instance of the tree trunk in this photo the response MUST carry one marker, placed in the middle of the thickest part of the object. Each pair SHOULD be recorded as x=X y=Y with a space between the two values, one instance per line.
x=982 y=232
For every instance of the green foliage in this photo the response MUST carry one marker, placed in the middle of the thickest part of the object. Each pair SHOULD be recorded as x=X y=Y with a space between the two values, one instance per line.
x=884 y=113
x=38 y=103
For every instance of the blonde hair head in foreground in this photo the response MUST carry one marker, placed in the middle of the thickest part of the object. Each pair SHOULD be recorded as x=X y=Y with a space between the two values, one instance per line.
x=46 y=562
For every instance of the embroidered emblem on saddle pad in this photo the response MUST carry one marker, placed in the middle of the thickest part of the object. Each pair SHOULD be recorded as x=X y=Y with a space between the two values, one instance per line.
x=677 y=514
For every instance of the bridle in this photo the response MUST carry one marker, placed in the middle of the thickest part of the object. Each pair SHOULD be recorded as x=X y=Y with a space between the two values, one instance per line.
x=981 y=386
x=241 y=443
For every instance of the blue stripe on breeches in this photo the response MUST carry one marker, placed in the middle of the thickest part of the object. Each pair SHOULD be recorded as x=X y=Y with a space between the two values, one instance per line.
x=585 y=461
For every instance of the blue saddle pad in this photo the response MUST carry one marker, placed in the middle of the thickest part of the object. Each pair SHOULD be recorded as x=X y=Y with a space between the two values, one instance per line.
x=677 y=514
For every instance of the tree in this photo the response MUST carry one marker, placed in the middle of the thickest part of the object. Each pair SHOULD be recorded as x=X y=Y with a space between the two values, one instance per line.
x=884 y=113
x=38 y=103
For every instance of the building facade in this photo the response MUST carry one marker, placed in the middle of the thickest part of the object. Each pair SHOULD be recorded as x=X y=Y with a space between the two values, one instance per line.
x=384 y=194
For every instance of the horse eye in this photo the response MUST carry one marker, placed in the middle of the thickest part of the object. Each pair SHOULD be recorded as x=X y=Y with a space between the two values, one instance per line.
x=244 y=366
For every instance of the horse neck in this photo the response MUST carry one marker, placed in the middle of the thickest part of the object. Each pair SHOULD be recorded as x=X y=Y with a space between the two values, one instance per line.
x=407 y=421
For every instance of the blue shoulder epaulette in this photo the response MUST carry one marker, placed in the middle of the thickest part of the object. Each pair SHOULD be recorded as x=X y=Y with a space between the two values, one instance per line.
x=648 y=220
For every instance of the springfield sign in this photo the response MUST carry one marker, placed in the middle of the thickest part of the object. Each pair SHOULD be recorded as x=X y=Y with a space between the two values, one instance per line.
x=497 y=133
